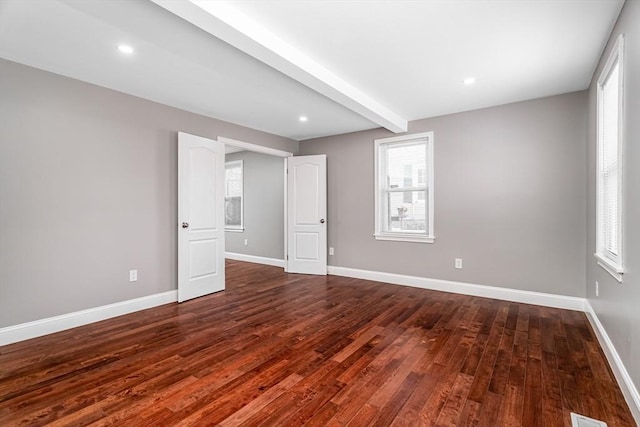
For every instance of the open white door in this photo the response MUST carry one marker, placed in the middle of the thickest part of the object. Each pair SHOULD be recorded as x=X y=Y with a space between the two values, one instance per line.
x=307 y=214
x=200 y=216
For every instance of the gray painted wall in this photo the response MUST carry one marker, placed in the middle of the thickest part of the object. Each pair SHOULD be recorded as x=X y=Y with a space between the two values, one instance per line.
x=618 y=305
x=88 y=191
x=263 y=207
x=510 y=197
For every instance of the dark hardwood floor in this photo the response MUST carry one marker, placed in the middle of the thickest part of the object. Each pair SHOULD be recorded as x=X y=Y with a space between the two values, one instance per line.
x=284 y=350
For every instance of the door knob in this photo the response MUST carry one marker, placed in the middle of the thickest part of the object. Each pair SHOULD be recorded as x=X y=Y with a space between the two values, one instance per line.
x=322 y=221
x=185 y=225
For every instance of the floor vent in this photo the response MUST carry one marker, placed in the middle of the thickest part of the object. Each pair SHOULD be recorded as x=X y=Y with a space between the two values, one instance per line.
x=582 y=421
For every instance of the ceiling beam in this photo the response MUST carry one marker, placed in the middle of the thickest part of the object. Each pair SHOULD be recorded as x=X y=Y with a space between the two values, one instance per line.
x=229 y=25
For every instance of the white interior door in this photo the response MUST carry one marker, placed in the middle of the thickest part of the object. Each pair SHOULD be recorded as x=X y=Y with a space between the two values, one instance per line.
x=307 y=214
x=200 y=216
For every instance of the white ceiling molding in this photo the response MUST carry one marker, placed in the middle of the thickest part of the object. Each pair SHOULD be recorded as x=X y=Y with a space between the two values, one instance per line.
x=228 y=24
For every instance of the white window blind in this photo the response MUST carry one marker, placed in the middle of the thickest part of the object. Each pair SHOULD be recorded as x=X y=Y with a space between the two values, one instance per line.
x=609 y=168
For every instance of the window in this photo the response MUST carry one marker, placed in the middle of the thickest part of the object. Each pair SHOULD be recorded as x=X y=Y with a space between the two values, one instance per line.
x=233 y=196
x=609 y=164
x=404 y=188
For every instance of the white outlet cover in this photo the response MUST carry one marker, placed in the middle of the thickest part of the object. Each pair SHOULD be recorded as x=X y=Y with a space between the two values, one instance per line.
x=578 y=420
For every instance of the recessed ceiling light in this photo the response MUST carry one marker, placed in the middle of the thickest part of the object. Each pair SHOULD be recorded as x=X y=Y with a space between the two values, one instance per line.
x=125 y=49
x=469 y=80
x=303 y=118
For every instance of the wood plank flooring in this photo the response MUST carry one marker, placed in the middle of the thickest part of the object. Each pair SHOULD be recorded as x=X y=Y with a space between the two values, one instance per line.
x=286 y=350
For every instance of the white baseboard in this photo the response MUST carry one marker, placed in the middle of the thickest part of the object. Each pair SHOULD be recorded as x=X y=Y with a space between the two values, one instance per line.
x=253 y=258
x=624 y=379
x=507 y=294
x=37 y=328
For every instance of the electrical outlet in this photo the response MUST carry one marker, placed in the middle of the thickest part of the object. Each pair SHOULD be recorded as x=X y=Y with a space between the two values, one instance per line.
x=133 y=275
x=246 y=242
x=330 y=251
x=597 y=289
x=459 y=263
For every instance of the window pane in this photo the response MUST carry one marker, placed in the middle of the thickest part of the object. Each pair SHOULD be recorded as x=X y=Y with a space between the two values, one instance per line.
x=233 y=181
x=421 y=183
x=233 y=194
x=610 y=210
x=406 y=216
x=403 y=163
x=408 y=182
x=234 y=188
x=233 y=211
x=610 y=120
x=608 y=167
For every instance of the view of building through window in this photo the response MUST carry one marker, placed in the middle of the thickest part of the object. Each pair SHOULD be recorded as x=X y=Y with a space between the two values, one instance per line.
x=407 y=210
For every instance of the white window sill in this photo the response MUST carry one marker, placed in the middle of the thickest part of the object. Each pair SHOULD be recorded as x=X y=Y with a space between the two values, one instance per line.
x=408 y=237
x=614 y=270
x=235 y=230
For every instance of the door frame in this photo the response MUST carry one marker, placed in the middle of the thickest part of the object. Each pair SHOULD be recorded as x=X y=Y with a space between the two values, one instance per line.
x=272 y=152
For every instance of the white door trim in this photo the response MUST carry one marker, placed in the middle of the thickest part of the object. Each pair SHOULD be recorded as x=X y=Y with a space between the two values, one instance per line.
x=249 y=146
x=254 y=147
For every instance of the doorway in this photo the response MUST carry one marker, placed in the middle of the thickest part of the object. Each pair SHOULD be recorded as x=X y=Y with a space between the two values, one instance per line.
x=255 y=203
x=203 y=194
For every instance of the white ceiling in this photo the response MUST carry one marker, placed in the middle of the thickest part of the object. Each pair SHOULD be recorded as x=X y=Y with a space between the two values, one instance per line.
x=347 y=65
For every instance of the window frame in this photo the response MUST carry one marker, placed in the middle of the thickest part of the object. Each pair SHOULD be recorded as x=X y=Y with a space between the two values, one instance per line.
x=380 y=189
x=229 y=165
x=610 y=262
